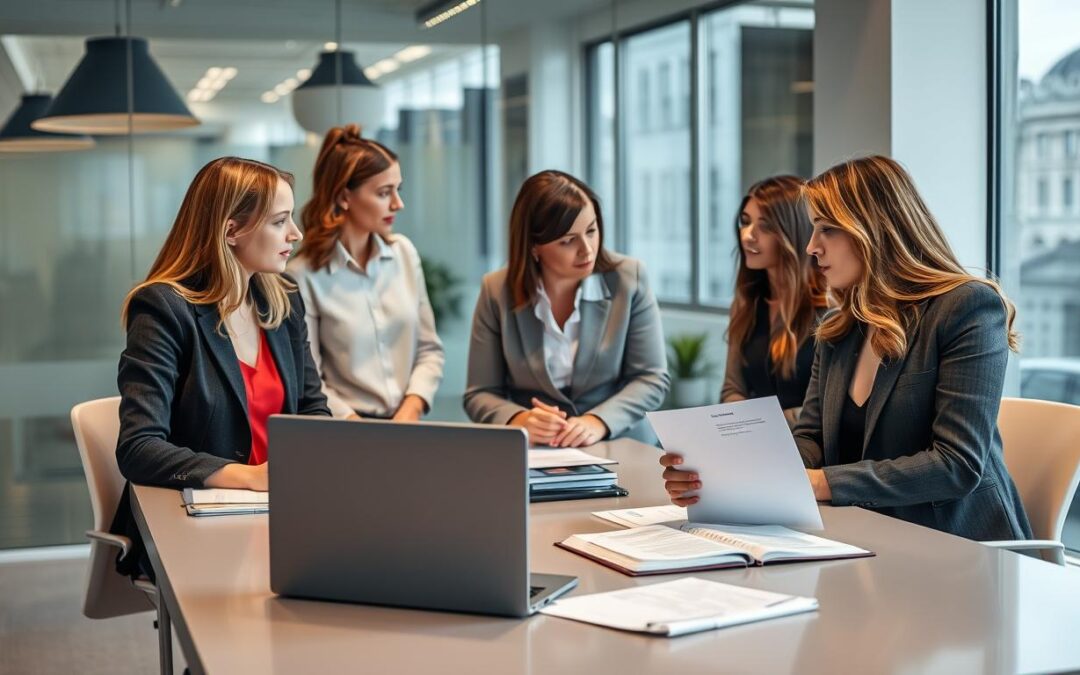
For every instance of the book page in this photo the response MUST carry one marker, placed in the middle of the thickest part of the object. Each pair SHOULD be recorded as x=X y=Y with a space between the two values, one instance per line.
x=658 y=542
x=772 y=541
x=678 y=607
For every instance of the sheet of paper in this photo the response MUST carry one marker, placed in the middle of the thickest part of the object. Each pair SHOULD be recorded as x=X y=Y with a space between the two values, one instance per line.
x=657 y=542
x=546 y=458
x=646 y=515
x=678 y=607
x=225 y=496
x=751 y=472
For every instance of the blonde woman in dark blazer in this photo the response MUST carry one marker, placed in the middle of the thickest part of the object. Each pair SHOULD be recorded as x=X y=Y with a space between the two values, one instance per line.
x=901 y=412
x=566 y=339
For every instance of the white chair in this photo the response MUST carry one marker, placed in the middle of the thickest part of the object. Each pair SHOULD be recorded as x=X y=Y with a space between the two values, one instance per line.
x=1041 y=441
x=108 y=593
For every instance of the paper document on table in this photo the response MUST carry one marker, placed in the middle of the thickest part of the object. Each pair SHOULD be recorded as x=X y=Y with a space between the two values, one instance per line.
x=546 y=458
x=679 y=607
x=645 y=515
x=751 y=472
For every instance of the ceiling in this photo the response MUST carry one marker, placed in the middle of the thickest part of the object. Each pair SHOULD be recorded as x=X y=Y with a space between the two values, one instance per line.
x=312 y=20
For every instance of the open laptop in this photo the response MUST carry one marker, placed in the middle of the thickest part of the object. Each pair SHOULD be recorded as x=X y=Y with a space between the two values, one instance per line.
x=427 y=515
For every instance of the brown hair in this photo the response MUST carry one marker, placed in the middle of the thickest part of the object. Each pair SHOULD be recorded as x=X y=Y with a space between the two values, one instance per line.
x=801 y=291
x=228 y=188
x=344 y=163
x=906 y=257
x=546 y=207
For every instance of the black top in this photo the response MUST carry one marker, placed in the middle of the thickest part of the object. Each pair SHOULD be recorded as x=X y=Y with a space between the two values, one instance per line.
x=852 y=430
x=757 y=369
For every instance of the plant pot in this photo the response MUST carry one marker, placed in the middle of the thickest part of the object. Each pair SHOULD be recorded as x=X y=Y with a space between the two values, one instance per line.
x=690 y=392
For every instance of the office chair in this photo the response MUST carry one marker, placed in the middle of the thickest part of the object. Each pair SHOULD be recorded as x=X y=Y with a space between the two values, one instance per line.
x=108 y=593
x=1041 y=440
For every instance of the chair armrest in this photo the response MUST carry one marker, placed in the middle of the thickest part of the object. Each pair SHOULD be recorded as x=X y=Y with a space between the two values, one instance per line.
x=1051 y=550
x=117 y=540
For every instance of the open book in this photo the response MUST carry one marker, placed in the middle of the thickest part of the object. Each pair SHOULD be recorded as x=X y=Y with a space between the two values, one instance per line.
x=656 y=549
x=222 y=502
x=679 y=607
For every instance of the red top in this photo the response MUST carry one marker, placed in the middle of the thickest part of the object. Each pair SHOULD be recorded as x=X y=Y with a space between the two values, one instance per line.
x=265 y=397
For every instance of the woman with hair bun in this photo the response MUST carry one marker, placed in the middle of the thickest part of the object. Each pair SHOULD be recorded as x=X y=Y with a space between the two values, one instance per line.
x=370 y=323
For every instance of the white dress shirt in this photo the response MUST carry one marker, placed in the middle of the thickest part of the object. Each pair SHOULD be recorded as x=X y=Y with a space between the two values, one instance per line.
x=561 y=344
x=372 y=332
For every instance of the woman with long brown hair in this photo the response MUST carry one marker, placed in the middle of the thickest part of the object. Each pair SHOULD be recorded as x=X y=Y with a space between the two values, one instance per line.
x=216 y=341
x=371 y=325
x=901 y=412
x=779 y=297
x=566 y=339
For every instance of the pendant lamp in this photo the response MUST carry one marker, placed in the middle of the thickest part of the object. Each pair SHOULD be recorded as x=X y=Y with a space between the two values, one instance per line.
x=16 y=135
x=95 y=98
x=337 y=92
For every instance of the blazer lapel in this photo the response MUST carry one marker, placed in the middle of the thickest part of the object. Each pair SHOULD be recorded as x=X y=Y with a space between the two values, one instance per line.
x=594 y=317
x=837 y=381
x=222 y=350
x=532 y=346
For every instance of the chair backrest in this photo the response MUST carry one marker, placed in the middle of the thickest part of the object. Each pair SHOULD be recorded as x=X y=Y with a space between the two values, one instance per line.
x=97 y=425
x=1041 y=441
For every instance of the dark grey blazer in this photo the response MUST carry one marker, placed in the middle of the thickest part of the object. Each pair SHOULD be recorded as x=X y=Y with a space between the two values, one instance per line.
x=620 y=370
x=183 y=408
x=931 y=451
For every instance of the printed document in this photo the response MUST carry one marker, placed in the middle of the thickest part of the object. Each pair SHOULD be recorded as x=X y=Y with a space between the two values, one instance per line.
x=751 y=472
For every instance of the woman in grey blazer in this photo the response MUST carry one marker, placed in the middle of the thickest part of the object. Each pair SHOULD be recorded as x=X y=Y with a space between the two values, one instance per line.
x=901 y=412
x=566 y=339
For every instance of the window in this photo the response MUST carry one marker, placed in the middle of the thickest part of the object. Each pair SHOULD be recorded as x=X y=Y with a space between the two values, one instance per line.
x=751 y=77
x=663 y=149
x=600 y=71
x=1040 y=255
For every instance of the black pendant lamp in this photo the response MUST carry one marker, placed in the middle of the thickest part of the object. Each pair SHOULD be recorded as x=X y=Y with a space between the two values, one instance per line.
x=95 y=98
x=16 y=135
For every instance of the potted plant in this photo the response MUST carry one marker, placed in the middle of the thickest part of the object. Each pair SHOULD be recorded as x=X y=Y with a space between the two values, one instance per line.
x=689 y=369
x=443 y=289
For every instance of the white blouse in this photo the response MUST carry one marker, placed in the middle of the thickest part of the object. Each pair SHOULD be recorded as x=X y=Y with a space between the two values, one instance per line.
x=372 y=332
x=561 y=344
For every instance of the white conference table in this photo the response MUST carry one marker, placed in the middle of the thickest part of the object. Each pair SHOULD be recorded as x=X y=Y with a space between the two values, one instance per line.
x=927 y=602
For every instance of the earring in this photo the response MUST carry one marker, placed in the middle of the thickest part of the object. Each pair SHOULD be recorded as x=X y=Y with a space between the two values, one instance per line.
x=535 y=257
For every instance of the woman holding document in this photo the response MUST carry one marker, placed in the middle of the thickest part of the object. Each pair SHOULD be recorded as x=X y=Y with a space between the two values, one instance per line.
x=566 y=339
x=779 y=298
x=900 y=414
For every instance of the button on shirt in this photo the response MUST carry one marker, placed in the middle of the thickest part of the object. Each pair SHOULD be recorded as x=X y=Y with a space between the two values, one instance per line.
x=561 y=344
x=372 y=331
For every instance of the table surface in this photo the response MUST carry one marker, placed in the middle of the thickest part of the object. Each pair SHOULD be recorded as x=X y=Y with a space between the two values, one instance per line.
x=927 y=602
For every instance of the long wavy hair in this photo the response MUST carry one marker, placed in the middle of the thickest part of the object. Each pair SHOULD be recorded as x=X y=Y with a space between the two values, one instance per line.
x=801 y=289
x=905 y=256
x=546 y=207
x=228 y=188
x=345 y=161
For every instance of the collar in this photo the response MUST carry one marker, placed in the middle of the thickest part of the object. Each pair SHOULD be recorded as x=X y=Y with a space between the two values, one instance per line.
x=591 y=289
x=341 y=257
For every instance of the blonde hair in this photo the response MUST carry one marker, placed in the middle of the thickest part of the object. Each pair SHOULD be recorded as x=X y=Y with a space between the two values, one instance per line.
x=801 y=291
x=345 y=161
x=228 y=188
x=905 y=255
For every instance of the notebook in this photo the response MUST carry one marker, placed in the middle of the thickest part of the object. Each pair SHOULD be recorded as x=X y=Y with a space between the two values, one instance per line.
x=679 y=607
x=224 y=502
x=658 y=549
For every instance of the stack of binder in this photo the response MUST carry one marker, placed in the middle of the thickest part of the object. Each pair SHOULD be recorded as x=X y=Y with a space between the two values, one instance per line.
x=571 y=474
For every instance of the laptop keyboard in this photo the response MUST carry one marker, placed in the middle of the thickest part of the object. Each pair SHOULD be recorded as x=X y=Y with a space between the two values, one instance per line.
x=533 y=590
